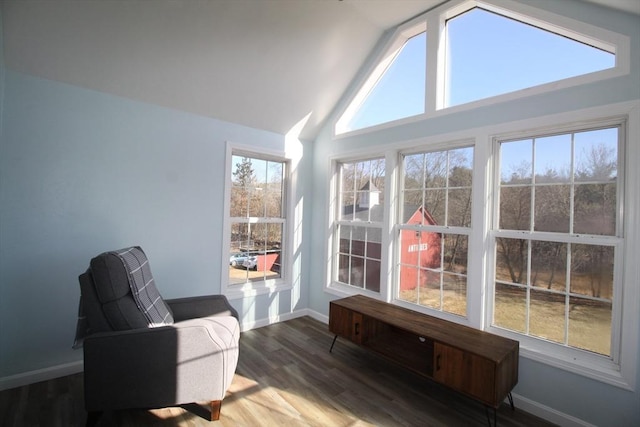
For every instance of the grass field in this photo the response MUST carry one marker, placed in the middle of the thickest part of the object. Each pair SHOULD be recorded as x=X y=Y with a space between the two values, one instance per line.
x=582 y=323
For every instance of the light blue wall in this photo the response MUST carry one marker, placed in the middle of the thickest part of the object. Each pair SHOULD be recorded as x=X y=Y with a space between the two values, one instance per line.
x=82 y=172
x=571 y=394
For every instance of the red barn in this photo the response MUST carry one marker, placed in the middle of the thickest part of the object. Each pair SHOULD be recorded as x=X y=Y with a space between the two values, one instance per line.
x=418 y=250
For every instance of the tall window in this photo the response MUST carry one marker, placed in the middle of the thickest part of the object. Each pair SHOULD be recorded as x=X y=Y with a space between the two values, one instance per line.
x=434 y=228
x=558 y=237
x=358 y=229
x=257 y=219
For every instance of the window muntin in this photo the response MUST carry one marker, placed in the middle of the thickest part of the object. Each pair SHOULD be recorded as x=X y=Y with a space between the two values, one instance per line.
x=557 y=237
x=434 y=229
x=257 y=219
x=506 y=55
x=358 y=229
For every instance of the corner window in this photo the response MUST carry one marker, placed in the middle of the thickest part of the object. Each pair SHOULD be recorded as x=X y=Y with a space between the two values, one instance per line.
x=257 y=219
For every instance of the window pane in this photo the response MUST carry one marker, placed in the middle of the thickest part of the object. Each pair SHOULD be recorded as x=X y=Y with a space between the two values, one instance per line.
x=511 y=261
x=412 y=201
x=356 y=276
x=515 y=162
x=553 y=159
x=510 y=308
x=373 y=275
x=399 y=92
x=459 y=208
x=597 y=155
x=430 y=292
x=362 y=190
x=507 y=55
x=435 y=203
x=549 y=265
x=546 y=317
x=239 y=203
x=595 y=209
x=413 y=171
x=455 y=253
x=256 y=202
x=590 y=325
x=454 y=294
x=436 y=169
x=515 y=208
x=592 y=271
x=552 y=208
x=409 y=284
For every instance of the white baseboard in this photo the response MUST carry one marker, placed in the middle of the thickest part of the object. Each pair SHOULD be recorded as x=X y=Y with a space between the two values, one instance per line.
x=38 y=375
x=247 y=326
x=547 y=413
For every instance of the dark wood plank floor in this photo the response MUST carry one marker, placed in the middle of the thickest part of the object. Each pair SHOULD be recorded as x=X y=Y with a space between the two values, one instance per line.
x=286 y=376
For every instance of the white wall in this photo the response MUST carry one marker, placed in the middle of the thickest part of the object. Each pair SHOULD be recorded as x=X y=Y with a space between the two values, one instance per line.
x=83 y=172
x=555 y=393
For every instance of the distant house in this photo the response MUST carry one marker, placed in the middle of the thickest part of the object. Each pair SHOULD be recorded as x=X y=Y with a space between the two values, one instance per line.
x=419 y=249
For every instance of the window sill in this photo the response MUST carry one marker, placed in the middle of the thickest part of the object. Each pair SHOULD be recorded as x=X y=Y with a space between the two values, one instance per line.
x=584 y=363
x=253 y=289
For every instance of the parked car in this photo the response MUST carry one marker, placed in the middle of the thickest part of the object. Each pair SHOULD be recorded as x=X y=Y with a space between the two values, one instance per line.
x=251 y=263
x=237 y=259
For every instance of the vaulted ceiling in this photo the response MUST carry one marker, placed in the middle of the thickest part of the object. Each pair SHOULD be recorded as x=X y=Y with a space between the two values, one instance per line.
x=267 y=64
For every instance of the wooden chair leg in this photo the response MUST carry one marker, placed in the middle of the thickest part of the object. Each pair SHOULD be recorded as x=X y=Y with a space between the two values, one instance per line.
x=215 y=409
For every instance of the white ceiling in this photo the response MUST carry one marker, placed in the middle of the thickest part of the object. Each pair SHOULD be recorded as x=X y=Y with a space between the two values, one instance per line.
x=267 y=64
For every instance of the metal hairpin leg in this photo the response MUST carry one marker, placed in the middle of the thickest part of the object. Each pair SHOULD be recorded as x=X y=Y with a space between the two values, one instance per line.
x=513 y=408
x=495 y=411
x=332 y=344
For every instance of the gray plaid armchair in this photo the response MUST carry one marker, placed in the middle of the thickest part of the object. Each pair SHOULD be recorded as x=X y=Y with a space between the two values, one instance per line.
x=141 y=351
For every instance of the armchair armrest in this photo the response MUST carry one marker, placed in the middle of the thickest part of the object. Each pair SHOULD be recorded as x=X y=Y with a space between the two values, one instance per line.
x=201 y=306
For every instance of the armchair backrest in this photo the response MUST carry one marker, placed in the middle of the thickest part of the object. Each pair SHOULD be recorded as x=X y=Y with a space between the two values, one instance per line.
x=118 y=293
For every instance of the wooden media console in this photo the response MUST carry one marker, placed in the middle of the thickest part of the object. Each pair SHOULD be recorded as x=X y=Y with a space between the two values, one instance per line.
x=479 y=364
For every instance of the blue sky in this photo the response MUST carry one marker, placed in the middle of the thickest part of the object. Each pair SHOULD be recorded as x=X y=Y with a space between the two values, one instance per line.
x=488 y=55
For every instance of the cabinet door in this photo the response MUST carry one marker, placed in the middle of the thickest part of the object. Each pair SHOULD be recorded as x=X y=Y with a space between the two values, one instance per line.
x=346 y=323
x=465 y=372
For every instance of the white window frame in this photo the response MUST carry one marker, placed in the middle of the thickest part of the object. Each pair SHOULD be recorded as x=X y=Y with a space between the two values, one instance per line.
x=619 y=370
x=258 y=287
x=444 y=229
x=332 y=285
x=434 y=21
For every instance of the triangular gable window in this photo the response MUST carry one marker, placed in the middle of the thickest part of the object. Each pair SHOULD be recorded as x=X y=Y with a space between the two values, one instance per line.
x=473 y=51
x=395 y=90
x=489 y=54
